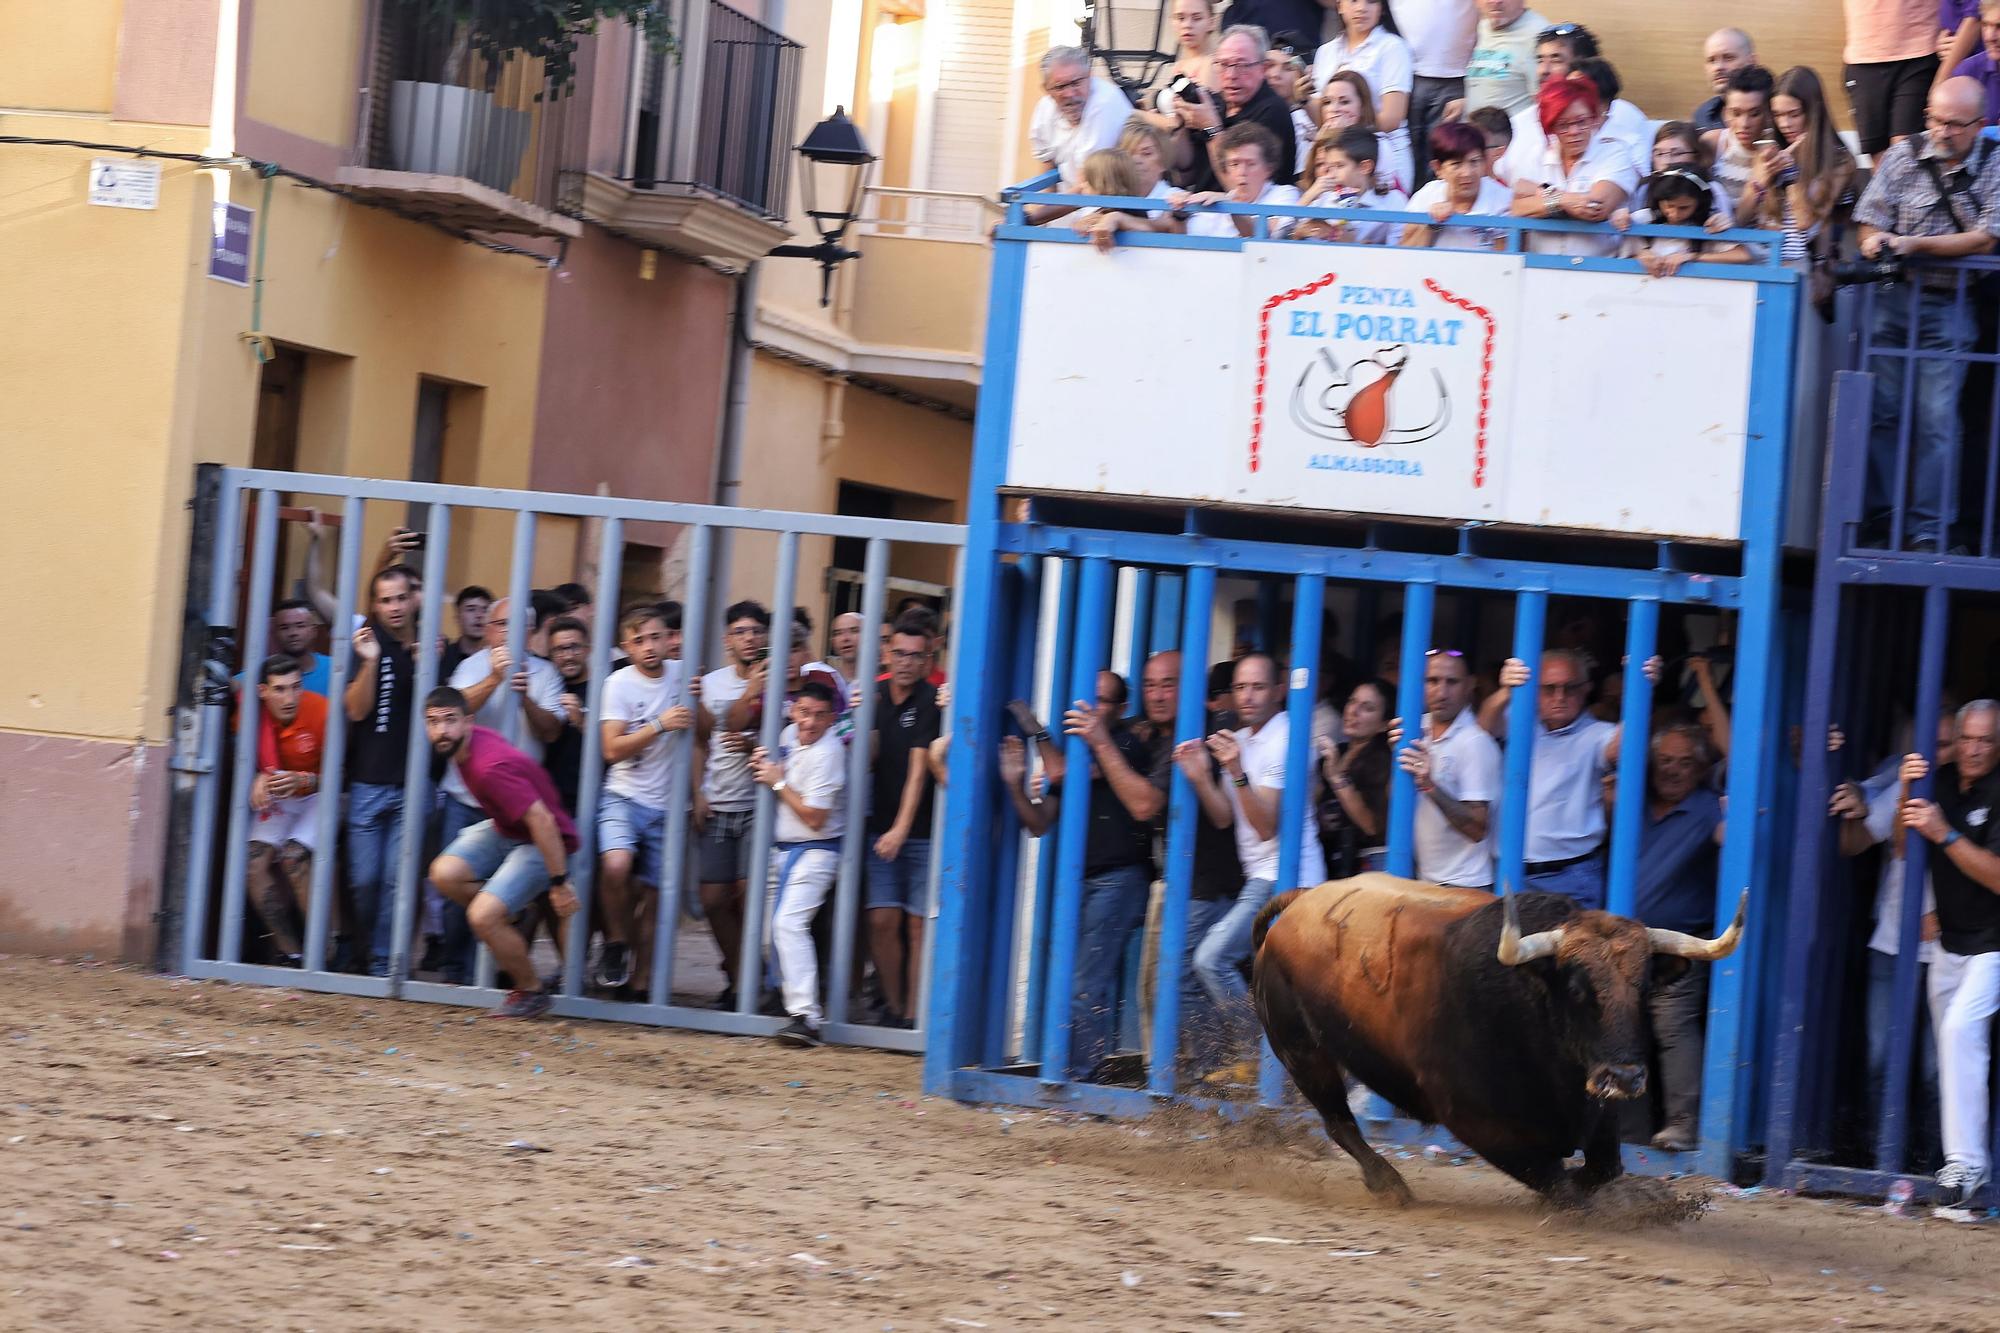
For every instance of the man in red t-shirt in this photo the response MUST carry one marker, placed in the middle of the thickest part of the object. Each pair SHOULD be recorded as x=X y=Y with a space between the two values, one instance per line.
x=497 y=868
x=284 y=804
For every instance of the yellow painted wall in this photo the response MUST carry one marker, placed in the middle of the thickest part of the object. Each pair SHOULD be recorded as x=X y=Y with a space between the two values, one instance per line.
x=59 y=57
x=304 y=58
x=918 y=292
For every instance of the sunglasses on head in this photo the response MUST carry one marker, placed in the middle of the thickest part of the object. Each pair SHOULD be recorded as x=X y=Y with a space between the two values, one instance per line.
x=1444 y=652
x=1560 y=30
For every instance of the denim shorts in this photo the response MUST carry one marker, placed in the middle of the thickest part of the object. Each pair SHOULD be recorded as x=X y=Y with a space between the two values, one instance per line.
x=725 y=846
x=904 y=882
x=511 y=871
x=629 y=826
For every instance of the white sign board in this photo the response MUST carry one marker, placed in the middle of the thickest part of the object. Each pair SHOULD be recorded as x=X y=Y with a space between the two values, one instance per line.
x=1440 y=384
x=117 y=182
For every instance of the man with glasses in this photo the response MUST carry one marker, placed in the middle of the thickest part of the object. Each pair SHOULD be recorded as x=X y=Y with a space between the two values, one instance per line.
x=1959 y=822
x=1936 y=196
x=1078 y=114
x=569 y=653
x=1246 y=97
x=1456 y=767
x=900 y=807
x=731 y=699
x=1574 y=752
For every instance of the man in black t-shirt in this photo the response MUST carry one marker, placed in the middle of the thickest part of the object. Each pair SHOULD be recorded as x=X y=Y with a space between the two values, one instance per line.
x=569 y=651
x=1246 y=97
x=1965 y=979
x=380 y=682
x=900 y=800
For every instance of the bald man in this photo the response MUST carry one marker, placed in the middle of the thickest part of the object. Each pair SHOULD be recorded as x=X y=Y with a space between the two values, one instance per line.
x=1900 y=217
x=1726 y=51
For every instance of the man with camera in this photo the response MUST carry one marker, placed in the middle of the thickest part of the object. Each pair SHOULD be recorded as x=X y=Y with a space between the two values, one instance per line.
x=1239 y=66
x=1935 y=195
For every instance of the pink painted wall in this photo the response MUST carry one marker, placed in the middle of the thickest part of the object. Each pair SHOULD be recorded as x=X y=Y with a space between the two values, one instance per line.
x=632 y=375
x=166 y=61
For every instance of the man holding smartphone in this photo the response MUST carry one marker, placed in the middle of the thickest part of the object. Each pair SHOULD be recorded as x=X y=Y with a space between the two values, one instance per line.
x=732 y=698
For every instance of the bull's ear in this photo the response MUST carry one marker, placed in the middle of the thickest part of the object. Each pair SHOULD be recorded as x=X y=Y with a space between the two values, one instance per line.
x=1668 y=968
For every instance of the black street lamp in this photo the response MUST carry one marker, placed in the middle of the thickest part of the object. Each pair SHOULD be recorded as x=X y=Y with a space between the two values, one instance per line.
x=837 y=162
x=1132 y=68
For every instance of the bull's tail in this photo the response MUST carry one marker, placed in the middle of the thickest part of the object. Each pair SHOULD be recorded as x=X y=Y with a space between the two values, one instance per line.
x=1262 y=925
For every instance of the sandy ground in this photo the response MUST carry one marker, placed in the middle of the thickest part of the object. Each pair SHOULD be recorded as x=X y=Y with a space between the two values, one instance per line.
x=177 y=1154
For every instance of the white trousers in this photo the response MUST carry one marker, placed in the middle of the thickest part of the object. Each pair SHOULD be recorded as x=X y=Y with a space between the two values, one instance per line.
x=1965 y=994
x=804 y=877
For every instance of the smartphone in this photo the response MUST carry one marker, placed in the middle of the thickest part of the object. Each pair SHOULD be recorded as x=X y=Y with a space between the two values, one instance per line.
x=415 y=541
x=759 y=655
x=1765 y=145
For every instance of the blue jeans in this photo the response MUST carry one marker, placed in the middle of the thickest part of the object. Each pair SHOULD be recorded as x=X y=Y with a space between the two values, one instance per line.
x=460 y=946
x=1922 y=1104
x=1114 y=905
x=1219 y=958
x=1583 y=881
x=1201 y=1033
x=1943 y=326
x=374 y=851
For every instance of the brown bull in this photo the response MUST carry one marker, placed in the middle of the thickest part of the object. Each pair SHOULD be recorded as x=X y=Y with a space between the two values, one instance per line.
x=1520 y=1044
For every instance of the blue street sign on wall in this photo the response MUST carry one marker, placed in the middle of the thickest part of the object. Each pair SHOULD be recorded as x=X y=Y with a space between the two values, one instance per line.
x=229 y=256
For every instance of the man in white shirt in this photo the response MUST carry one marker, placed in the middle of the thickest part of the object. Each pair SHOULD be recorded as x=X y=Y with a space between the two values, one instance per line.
x=521 y=703
x=1574 y=752
x=810 y=781
x=1078 y=114
x=1253 y=762
x=732 y=698
x=1457 y=771
x=641 y=715
x=1440 y=34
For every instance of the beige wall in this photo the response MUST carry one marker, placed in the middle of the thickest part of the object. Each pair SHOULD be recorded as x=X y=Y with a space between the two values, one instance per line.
x=59 y=57
x=302 y=63
x=922 y=293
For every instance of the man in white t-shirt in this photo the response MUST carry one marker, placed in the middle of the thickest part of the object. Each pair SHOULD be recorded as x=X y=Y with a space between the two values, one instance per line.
x=1457 y=770
x=523 y=704
x=1078 y=114
x=1440 y=34
x=1253 y=762
x=732 y=699
x=640 y=717
x=810 y=781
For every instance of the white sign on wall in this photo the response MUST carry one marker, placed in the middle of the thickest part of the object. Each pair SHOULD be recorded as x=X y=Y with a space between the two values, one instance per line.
x=1440 y=384
x=117 y=182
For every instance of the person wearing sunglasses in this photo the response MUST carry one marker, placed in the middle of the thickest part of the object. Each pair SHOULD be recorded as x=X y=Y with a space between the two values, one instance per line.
x=1574 y=752
x=1935 y=196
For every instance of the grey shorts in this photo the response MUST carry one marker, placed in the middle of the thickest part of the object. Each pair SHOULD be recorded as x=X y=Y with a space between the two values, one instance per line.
x=725 y=846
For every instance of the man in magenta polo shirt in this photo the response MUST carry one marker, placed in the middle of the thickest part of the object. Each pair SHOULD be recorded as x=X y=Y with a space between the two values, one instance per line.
x=497 y=868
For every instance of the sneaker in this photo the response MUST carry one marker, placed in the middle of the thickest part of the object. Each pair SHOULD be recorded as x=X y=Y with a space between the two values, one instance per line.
x=726 y=1001
x=1956 y=1186
x=798 y=1032
x=614 y=966
x=773 y=1005
x=522 y=1004
x=1675 y=1138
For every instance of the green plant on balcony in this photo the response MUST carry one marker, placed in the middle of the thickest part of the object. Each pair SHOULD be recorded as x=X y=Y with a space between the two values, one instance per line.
x=497 y=31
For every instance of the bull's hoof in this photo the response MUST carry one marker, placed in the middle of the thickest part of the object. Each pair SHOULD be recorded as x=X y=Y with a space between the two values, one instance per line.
x=1389 y=1187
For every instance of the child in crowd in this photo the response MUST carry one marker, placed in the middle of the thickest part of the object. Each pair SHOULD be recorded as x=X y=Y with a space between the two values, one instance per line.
x=1679 y=144
x=1133 y=170
x=1347 y=102
x=1677 y=197
x=1497 y=128
x=1343 y=176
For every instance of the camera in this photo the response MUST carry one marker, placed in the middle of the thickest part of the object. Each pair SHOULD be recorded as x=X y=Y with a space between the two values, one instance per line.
x=1186 y=89
x=1853 y=272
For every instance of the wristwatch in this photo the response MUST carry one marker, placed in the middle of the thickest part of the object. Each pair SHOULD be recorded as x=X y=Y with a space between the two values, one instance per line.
x=1240 y=780
x=1211 y=132
x=1552 y=200
x=778 y=786
x=1951 y=838
x=559 y=879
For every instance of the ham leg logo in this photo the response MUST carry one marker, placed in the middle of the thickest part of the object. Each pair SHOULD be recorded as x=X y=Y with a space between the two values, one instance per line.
x=1360 y=403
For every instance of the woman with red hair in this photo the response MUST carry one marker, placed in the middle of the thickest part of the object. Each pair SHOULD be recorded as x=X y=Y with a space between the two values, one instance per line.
x=1585 y=175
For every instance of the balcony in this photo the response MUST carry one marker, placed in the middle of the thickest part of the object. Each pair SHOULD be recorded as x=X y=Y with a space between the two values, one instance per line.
x=703 y=161
x=918 y=307
x=446 y=137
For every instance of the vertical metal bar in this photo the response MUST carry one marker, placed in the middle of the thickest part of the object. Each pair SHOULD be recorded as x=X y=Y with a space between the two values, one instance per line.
x=1893 y=1127
x=333 y=757
x=590 y=775
x=211 y=788
x=256 y=641
x=1308 y=602
x=1642 y=633
x=1531 y=609
x=1064 y=647
x=1020 y=606
x=681 y=782
x=1905 y=358
x=854 y=850
x=520 y=589
x=1190 y=723
x=417 y=762
x=750 y=965
x=1986 y=534
x=1419 y=605
x=1141 y=637
x=934 y=889
x=1093 y=627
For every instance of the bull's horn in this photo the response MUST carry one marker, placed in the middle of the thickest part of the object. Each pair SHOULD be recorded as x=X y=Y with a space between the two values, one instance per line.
x=1515 y=950
x=1694 y=946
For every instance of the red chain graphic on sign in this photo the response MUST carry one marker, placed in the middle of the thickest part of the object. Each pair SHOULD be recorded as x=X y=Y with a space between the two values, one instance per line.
x=1485 y=374
x=1264 y=354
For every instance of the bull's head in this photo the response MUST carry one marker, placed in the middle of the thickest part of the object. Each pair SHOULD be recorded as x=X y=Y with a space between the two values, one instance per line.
x=1605 y=965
